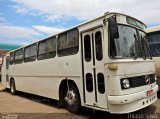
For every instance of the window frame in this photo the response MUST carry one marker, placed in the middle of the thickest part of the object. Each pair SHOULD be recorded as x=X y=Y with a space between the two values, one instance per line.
x=87 y=49
x=68 y=50
x=109 y=41
x=153 y=45
x=46 y=54
x=30 y=58
x=11 y=62
x=98 y=46
x=19 y=60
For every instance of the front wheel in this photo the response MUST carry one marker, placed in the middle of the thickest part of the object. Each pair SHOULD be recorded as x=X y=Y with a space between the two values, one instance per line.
x=72 y=99
x=12 y=87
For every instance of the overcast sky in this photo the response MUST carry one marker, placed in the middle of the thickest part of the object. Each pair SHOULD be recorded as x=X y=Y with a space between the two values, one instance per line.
x=25 y=21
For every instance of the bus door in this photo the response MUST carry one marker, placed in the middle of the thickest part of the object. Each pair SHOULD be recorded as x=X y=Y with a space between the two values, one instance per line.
x=93 y=68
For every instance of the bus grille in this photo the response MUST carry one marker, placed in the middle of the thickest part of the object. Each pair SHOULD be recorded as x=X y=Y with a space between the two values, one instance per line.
x=140 y=80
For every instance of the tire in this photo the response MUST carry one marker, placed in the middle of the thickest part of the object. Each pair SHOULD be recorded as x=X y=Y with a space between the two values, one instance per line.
x=12 y=87
x=72 y=99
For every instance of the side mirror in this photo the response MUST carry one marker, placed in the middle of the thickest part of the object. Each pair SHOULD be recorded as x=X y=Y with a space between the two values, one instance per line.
x=113 y=27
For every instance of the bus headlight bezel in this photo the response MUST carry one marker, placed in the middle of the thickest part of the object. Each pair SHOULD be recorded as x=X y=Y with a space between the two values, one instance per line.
x=126 y=83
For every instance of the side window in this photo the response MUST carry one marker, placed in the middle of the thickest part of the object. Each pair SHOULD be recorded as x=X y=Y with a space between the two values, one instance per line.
x=87 y=48
x=7 y=62
x=89 y=82
x=47 y=48
x=154 y=43
x=18 y=56
x=61 y=43
x=68 y=43
x=11 y=58
x=30 y=53
x=98 y=43
x=73 y=40
x=51 y=46
x=41 y=48
x=101 y=83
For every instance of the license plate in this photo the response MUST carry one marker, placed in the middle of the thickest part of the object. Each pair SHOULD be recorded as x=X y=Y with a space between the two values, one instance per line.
x=150 y=92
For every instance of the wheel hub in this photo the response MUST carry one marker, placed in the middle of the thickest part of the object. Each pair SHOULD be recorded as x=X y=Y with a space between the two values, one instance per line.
x=12 y=88
x=70 y=98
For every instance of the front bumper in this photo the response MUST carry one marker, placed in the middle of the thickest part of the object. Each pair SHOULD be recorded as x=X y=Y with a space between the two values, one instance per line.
x=132 y=102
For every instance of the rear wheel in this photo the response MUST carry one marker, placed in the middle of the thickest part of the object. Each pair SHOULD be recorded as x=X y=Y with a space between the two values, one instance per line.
x=72 y=99
x=12 y=87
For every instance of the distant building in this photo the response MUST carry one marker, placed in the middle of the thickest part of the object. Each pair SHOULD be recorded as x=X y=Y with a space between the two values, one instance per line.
x=4 y=48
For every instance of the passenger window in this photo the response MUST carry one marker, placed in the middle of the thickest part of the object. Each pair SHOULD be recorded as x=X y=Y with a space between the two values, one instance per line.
x=11 y=58
x=101 y=83
x=87 y=48
x=68 y=43
x=51 y=45
x=72 y=39
x=42 y=48
x=61 y=43
x=89 y=82
x=18 y=56
x=47 y=49
x=7 y=62
x=30 y=53
x=98 y=43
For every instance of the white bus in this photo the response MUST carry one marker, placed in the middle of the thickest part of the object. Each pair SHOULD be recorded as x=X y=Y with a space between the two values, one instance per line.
x=153 y=36
x=99 y=64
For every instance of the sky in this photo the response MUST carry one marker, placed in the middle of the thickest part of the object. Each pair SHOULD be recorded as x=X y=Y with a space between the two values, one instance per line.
x=26 y=21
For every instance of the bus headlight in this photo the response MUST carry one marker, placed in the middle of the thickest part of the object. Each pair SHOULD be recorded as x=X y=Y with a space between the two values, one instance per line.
x=155 y=78
x=126 y=83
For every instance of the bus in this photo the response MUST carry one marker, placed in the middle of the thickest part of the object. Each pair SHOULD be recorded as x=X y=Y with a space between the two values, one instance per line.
x=153 y=37
x=99 y=64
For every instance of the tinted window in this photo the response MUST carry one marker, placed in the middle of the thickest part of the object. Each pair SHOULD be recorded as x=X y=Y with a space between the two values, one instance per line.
x=42 y=48
x=101 y=83
x=62 y=42
x=30 y=53
x=89 y=82
x=154 y=41
x=7 y=62
x=72 y=39
x=51 y=45
x=98 y=41
x=68 y=43
x=11 y=58
x=18 y=56
x=47 y=48
x=87 y=48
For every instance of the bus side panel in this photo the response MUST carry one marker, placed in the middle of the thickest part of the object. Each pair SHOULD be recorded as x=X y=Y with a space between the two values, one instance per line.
x=44 y=77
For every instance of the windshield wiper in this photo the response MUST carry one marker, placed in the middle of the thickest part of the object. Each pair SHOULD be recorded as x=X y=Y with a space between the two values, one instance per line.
x=146 y=48
x=143 y=48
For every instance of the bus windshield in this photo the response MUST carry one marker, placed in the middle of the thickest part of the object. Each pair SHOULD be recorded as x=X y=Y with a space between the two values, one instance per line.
x=130 y=44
